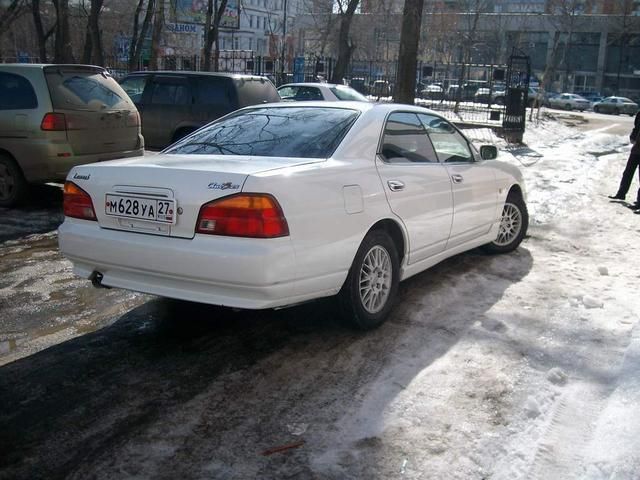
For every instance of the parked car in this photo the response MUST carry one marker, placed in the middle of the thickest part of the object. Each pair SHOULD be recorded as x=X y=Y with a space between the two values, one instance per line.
x=53 y=117
x=432 y=92
x=380 y=88
x=278 y=204
x=174 y=104
x=482 y=95
x=569 y=101
x=330 y=92
x=452 y=92
x=616 y=105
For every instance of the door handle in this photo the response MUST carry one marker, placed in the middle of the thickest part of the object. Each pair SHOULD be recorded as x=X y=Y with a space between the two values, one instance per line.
x=395 y=185
x=457 y=178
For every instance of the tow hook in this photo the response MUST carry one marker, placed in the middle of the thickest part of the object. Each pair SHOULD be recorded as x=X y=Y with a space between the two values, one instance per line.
x=96 y=279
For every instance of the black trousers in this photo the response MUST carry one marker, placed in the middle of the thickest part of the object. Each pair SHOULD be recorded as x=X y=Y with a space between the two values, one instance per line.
x=627 y=175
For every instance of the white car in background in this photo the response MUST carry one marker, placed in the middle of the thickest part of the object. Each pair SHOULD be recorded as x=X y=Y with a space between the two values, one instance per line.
x=569 y=101
x=329 y=92
x=283 y=203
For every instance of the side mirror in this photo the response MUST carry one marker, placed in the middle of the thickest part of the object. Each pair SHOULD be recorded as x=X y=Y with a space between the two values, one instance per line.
x=488 y=152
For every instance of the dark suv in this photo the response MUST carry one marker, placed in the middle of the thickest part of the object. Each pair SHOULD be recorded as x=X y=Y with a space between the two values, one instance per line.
x=174 y=104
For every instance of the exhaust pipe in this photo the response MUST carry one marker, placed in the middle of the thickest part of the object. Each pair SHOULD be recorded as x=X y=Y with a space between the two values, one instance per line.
x=96 y=279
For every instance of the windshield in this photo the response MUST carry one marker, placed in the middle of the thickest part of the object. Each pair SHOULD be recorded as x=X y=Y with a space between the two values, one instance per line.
x=297 y=132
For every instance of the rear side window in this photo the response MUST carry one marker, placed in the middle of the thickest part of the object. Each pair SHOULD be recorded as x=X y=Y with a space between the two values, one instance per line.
x=255 y=90
x=405 y=140
x=134 y=86
x=272 y=132
x=170 y=92
x=214 y=91
x=79 y=89
x=16 y=93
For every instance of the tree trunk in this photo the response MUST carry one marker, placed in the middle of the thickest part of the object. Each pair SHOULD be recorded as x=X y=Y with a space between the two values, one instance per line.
x=42 y=36
x=158 y=25
x=63 y=50
x=408 y=55
x=345 y=46
x=93 y=25
x=212 y=32
x=86 y=51
x=137 y=39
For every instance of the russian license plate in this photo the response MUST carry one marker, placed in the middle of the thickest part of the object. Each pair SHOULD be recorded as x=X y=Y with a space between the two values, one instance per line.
x=142 y=208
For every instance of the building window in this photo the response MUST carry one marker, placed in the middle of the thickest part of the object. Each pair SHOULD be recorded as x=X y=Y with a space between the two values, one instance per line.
x=251 y=21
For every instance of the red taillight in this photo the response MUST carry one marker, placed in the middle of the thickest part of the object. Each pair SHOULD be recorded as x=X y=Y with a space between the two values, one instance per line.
x=244 y=215
x=54 y=122
x=77 y=203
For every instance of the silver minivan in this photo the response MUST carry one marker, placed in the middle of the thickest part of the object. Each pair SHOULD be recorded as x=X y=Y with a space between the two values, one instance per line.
x=54 y=117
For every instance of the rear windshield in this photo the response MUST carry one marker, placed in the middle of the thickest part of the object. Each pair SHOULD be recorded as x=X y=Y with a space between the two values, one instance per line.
x=346 y=93
x=256 y=90
x=302 y=132
x=77 y=89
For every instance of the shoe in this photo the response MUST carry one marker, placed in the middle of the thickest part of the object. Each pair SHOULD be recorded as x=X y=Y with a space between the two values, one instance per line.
x=635 y=206
x=617 y=196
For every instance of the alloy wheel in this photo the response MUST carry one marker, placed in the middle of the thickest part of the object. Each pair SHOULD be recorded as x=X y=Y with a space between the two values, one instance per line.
x=510 y=224
x=375 y=279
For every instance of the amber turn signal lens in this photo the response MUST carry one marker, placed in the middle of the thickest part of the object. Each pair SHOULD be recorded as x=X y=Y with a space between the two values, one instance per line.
x=77 y=203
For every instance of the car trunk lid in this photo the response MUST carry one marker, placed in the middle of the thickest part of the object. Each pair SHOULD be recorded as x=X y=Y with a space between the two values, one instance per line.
x=179 y=185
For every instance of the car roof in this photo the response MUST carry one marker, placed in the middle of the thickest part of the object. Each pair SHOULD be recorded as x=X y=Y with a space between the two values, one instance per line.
x=40 y=66
x=312 y=84
x=381 y=108
x=195 y=74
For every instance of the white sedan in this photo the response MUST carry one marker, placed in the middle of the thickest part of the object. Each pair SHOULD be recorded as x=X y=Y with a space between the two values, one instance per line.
x=279 y=204
x=329 y=92
x=569 y=101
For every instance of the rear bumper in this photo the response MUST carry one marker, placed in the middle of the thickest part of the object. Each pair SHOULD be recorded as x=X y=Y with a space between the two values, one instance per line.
x=41 y=161
x=234 y=272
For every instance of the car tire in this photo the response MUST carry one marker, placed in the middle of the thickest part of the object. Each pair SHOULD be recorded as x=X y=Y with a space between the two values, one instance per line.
x=13 y=186
x=596 y=109
x=616 y=112
x=368 y=294
x=514 y=223
x=567 y=106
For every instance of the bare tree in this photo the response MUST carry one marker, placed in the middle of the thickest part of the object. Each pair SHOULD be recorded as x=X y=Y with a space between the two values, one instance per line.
x=345 y=43
x=140 y=32
x=408 y=56
x=10 y=13
x=63 y=49
x=212 y=34
x=93 y=51
x=156 y=35
x=42 y=33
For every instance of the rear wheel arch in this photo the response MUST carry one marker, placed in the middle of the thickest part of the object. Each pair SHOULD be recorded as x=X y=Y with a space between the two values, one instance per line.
x=15 y=188
x=182 y=132
x=395 y=232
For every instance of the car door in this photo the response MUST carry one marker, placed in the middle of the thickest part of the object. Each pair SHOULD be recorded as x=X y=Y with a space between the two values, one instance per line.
x=417 y=186
x=168 y=102
x=473 y=181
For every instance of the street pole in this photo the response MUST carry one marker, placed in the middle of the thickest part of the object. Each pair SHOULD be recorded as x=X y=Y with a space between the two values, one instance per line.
x=284 y=43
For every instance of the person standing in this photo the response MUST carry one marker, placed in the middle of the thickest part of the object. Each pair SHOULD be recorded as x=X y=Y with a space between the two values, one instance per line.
x=632 y=164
